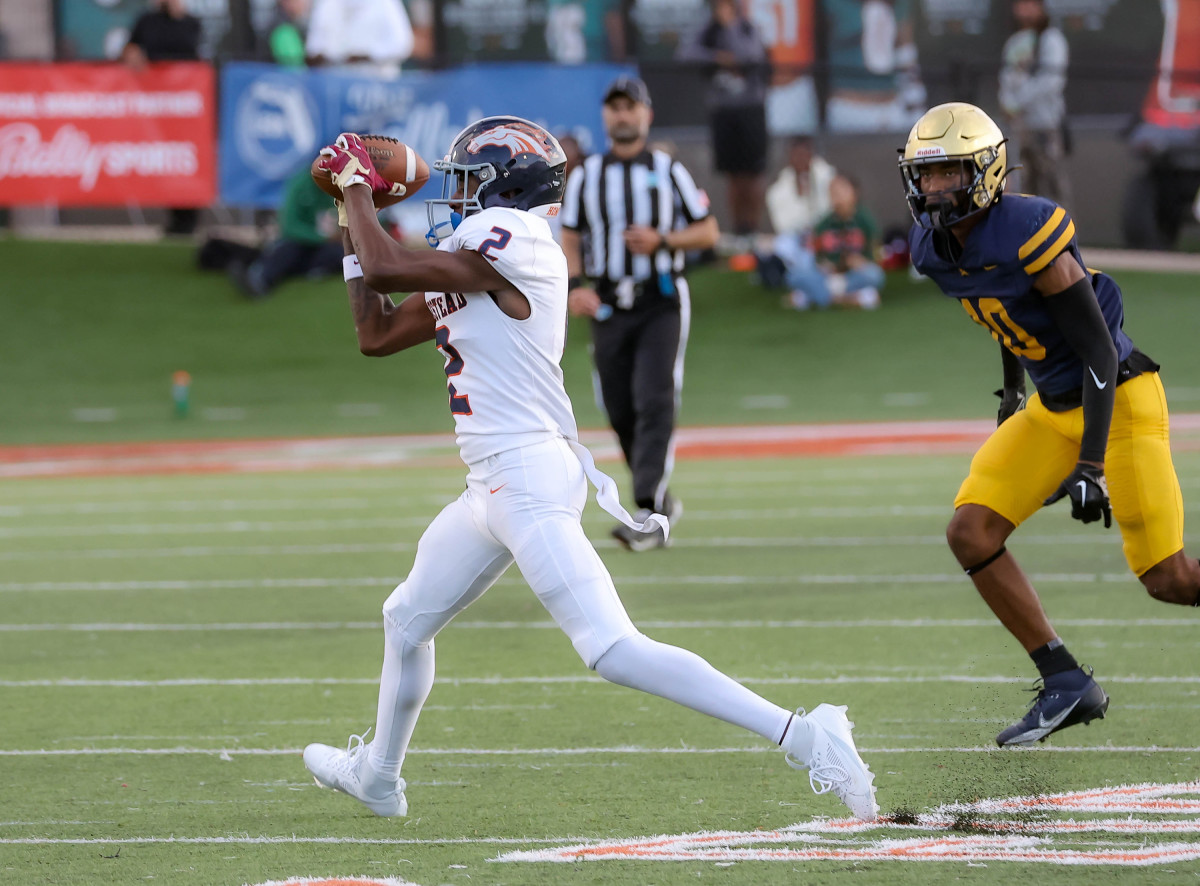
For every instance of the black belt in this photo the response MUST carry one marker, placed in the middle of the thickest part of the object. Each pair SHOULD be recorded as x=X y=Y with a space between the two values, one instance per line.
x=607 y=289
x=1131 y=367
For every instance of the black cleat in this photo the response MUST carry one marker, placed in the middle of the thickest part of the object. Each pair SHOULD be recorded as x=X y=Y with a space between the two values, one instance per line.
x=1057 y=707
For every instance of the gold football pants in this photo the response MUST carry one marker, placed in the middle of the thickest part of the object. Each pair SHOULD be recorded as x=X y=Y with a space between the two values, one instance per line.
x=1028 y=456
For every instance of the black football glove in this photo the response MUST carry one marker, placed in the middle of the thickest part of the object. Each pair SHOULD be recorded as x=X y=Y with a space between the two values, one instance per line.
x=1088 y=492
x=1012 y=401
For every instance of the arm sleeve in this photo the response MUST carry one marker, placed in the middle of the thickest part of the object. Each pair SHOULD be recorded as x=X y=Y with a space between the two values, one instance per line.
x=1014 y=372
x=1076 y=313
x=692 y=201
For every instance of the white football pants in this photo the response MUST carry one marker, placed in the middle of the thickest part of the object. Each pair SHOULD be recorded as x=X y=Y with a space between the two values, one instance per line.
x=525 y=505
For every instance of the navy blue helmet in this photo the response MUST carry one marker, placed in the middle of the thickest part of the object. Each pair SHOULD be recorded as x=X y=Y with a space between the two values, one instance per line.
x=516 y=163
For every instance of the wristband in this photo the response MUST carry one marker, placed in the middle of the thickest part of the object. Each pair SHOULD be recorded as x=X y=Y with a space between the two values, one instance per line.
x=574 y=283
x=351 y=269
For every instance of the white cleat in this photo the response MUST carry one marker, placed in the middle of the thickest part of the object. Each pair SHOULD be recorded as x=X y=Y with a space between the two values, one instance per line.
x=835 y=764
x=350 y=772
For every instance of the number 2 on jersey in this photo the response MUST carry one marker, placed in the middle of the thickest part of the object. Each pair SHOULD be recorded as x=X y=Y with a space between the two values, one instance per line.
x=497 y=243
x=460 y=404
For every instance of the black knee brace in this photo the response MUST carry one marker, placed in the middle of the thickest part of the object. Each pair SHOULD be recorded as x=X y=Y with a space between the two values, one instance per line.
x=984 y=564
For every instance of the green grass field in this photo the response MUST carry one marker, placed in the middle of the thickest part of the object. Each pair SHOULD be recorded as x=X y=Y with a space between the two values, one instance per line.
x=170 y=643
x=89 y=350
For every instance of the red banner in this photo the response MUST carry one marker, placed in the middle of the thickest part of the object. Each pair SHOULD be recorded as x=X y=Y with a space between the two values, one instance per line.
x=105 y=135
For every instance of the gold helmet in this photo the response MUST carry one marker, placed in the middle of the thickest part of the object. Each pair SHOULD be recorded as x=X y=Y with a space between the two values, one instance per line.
x=955 y=131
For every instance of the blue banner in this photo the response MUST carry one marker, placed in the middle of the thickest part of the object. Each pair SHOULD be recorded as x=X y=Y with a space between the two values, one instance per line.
x=274 y=120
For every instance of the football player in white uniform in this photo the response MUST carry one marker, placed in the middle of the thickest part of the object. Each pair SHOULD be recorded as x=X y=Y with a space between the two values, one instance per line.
x=493 y=297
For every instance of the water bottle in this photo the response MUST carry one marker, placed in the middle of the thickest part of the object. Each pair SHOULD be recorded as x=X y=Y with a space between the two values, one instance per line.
x=603 y=313
x=181 y=384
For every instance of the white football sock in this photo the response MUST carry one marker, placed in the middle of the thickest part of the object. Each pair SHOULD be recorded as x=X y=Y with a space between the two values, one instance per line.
x=684 y=677
x=403 y=687
x=798 y=739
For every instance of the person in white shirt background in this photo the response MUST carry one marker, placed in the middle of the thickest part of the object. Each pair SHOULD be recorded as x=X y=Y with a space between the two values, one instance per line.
x=796 y=201
x=366 y=36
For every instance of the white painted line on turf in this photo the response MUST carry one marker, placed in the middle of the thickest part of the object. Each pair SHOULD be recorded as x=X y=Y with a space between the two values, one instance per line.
x=841 y=680
x=721 y=580
x=712 y=624
x=580 y=752
x=180 y=506
x=259 y=841
x=419 y=522
x=876 y=541
x=963 y=832
x=212 y=551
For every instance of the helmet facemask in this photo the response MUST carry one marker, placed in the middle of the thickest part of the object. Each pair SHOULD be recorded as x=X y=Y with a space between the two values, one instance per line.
x=458 y=180
x=983 y=187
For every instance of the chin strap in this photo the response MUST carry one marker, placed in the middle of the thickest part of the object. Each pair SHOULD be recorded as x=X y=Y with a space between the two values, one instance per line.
x=437 y=233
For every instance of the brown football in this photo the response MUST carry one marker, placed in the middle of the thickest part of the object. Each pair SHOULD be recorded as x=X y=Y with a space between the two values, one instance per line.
x=393 y=159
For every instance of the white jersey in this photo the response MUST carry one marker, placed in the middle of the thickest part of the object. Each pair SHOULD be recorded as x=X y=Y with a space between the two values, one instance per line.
x=505 y=379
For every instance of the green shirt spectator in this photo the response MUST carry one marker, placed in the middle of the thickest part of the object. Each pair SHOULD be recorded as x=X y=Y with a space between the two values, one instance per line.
x=309 y=243
x=303 y=205
x=837 y=238
x=840 y=269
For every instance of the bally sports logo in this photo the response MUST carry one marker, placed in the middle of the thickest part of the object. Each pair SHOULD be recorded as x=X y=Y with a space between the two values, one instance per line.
x=517 y=138
x=70 y=153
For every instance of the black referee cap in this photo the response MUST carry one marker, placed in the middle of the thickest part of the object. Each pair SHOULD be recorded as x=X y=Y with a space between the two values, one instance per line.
x=631 y=87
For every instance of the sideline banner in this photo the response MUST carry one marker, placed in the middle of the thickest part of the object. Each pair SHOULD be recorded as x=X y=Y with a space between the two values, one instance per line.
x=103 y=135
x=273 y=121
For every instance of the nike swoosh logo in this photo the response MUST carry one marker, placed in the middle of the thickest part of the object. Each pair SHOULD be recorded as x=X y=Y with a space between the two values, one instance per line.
x=1100 y=384
x=497 y=489
x=1082 y=484
x=1043 y=723
x=989 y=267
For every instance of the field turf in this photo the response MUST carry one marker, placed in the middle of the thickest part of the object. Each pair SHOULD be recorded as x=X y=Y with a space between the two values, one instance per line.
x=170 y=643
x=91 y=335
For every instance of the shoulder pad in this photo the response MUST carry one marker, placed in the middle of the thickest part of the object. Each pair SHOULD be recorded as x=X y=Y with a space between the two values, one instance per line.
x=1042 y=230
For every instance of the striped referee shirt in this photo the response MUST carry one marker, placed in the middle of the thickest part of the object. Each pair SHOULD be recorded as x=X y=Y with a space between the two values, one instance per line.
x=605 y=195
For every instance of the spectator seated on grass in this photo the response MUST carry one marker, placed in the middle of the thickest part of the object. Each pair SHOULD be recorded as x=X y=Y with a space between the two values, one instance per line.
x=309 y=243
x=840 y=268
x=796 y=201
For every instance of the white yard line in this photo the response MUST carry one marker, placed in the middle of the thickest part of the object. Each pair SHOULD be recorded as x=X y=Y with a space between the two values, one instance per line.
x=841 y=680
x=338 y=549
x=713 y=624
x=242 y=527
x=256 y=841
x=387 y=582
x=580 y=752
x=141 y=506
x=706 y=625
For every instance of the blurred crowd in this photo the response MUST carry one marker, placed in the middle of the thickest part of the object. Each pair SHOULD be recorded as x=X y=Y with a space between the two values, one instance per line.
x=773 y=104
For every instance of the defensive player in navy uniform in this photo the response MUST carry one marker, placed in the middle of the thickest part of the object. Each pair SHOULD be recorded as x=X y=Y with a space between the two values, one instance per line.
x=1094 y=432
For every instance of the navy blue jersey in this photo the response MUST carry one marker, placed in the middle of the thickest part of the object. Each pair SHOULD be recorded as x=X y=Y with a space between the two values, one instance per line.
x=1017 y=239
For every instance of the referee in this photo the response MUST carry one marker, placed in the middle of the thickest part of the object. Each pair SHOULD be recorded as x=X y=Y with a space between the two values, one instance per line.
x=634 y=212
